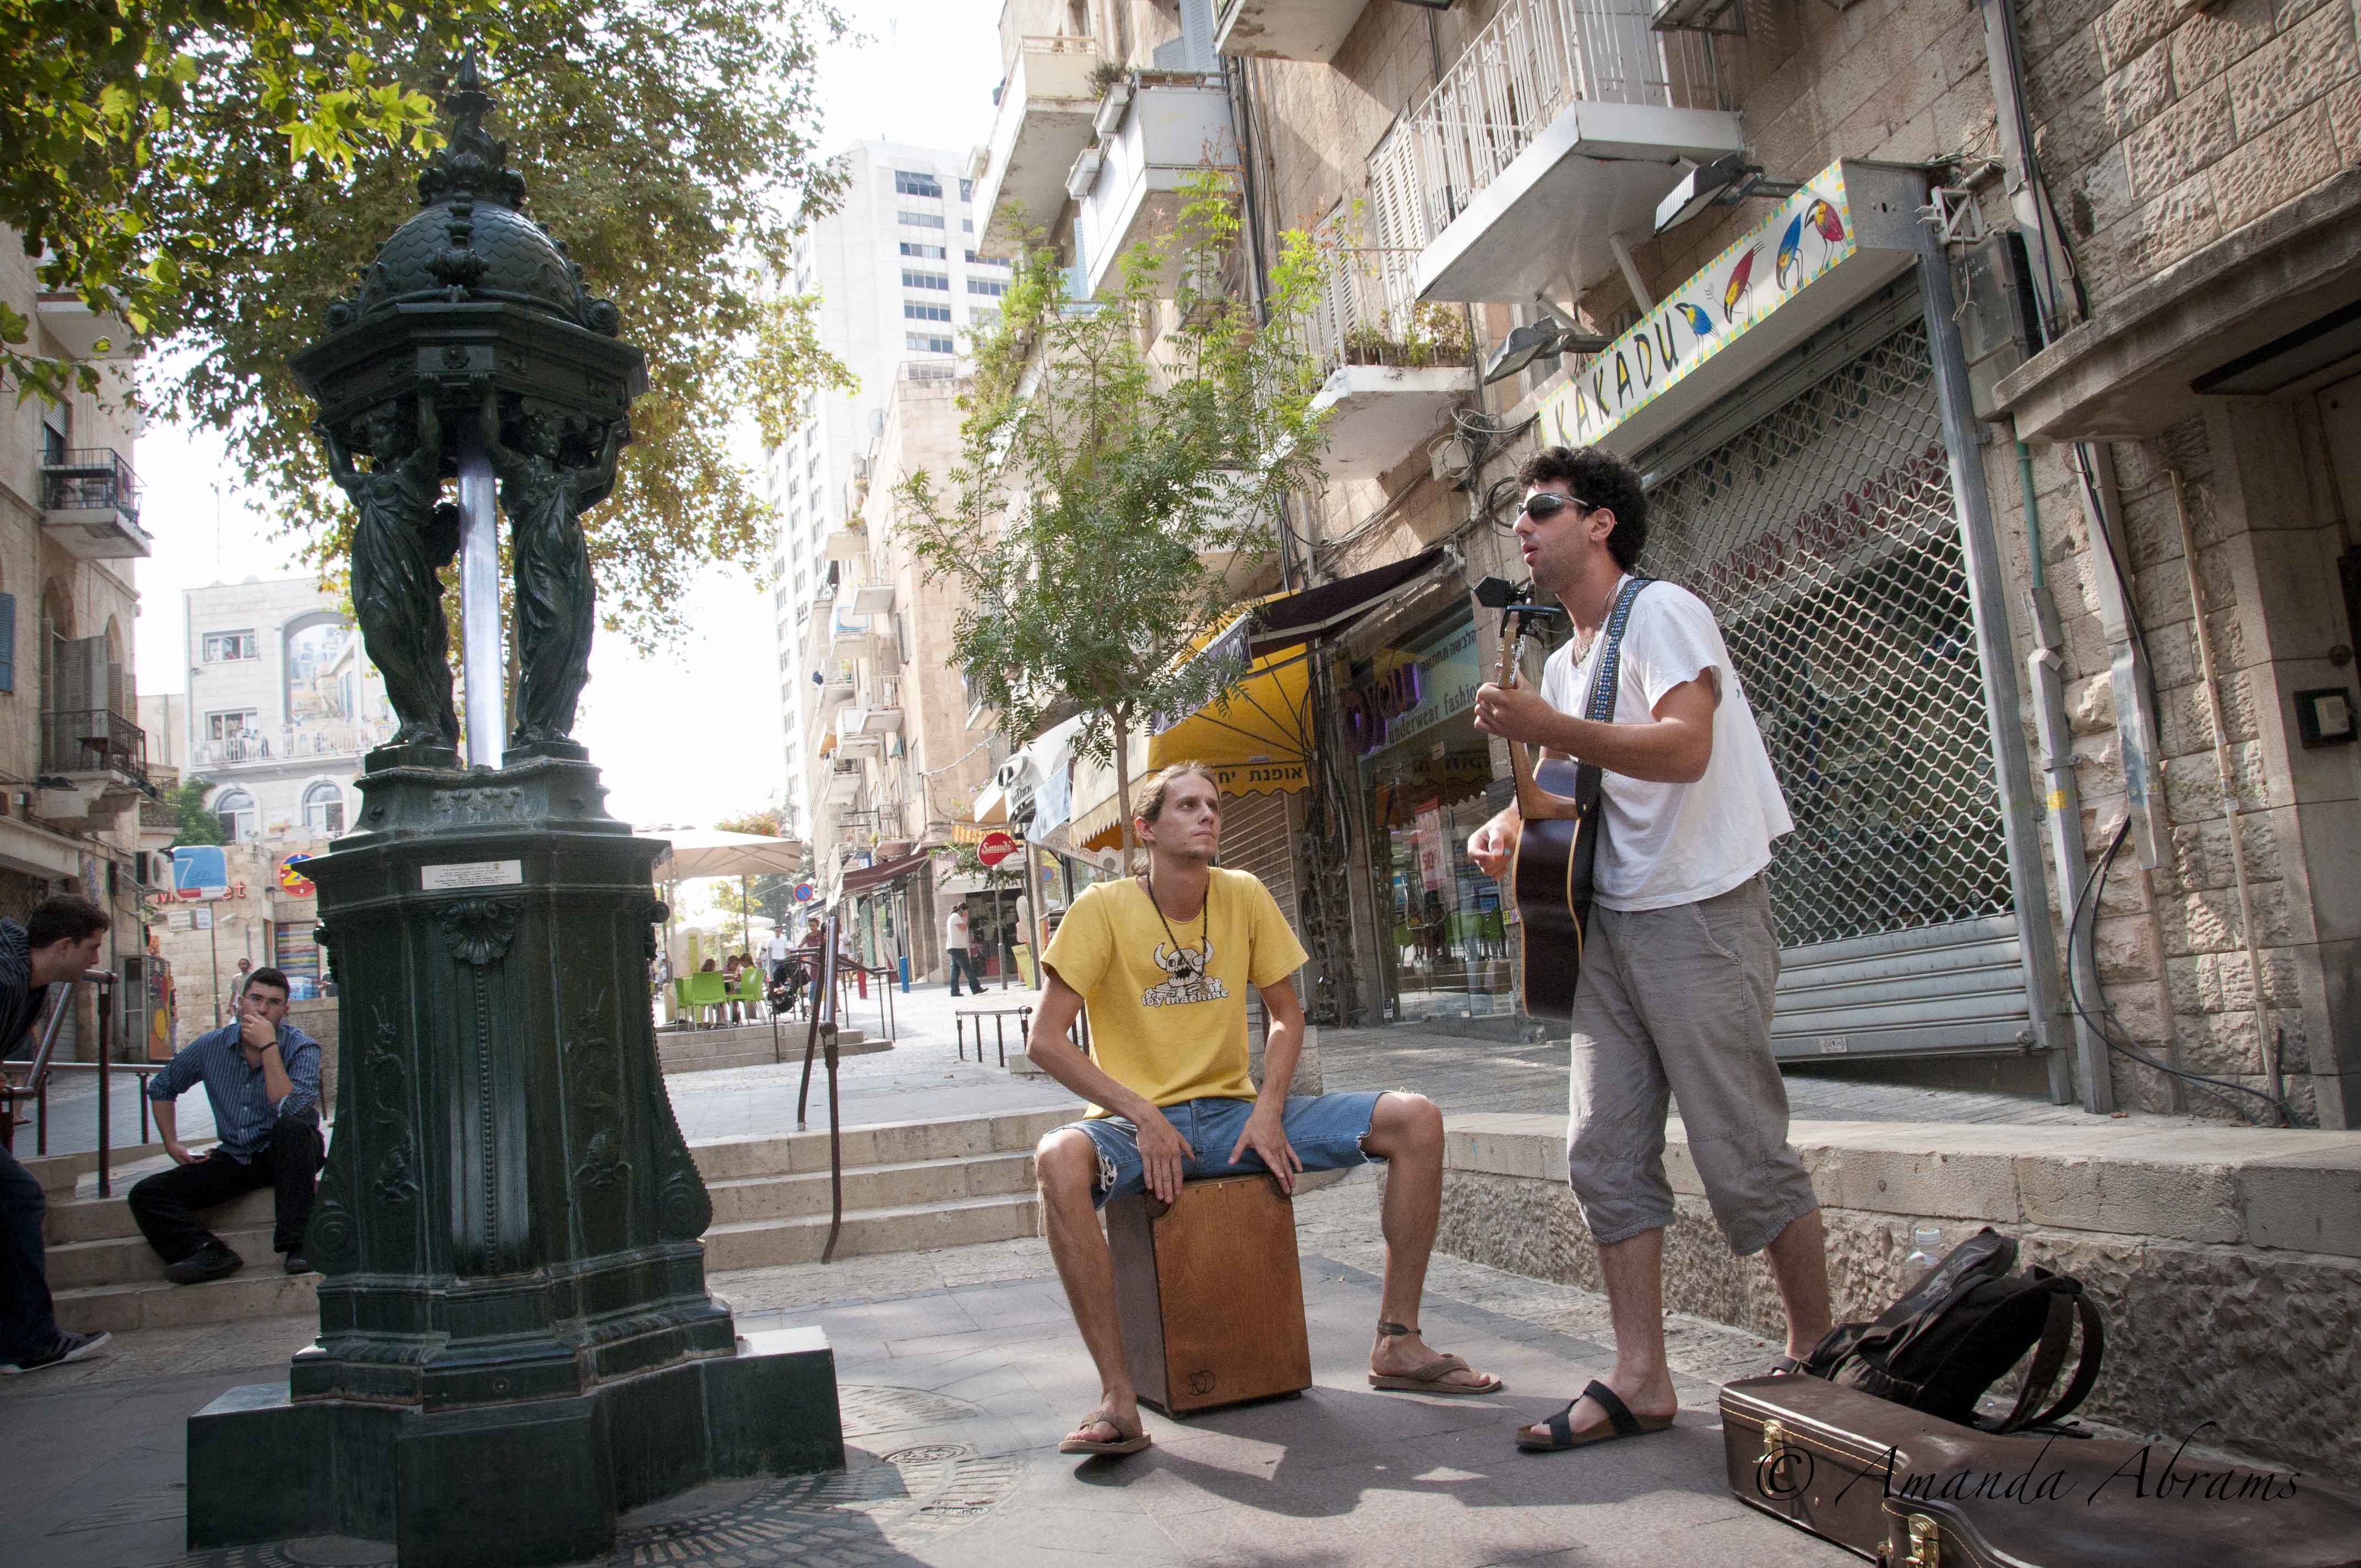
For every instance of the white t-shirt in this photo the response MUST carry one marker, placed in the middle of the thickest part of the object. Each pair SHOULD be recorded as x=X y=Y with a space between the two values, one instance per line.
x=955 y=930
x=1677 y=843
x=776 y=949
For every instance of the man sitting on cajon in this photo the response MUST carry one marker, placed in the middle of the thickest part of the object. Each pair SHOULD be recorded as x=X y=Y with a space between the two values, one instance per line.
x=1163 y=959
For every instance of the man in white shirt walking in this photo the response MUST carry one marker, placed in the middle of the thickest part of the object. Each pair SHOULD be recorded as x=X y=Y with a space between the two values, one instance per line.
x=955 y=950
x=1680 y=960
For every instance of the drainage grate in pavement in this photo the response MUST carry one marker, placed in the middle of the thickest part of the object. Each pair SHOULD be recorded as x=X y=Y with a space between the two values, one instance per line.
x=868 y=1409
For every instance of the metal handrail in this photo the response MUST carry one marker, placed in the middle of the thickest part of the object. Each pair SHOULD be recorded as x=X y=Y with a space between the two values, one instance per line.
x=821 y=1036
x=35 y=1086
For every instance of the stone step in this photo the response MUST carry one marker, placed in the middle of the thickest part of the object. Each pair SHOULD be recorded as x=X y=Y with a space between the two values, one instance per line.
x=81 y=1220
x=887 y=1143
x=260 y=1289
x=920 y=1227
x=129 y=1260
x=753 y=1199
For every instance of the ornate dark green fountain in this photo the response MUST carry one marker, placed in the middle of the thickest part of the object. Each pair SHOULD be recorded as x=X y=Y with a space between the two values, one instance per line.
x=516 y=1341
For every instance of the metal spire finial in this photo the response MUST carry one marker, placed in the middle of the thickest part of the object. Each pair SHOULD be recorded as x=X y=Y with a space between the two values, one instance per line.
x=475 y=163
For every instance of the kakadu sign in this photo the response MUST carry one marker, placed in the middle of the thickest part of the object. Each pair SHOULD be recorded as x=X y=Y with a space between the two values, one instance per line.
x=1847 y=232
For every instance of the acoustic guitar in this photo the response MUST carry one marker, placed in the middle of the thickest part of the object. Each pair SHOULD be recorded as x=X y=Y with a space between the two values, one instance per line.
x=1551 y=871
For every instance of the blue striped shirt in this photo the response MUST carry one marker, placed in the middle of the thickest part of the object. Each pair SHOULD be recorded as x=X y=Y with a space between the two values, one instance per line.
x=243 y=1113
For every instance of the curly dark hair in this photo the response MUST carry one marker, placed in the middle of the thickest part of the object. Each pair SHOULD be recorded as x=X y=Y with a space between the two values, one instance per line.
x=1598 y=479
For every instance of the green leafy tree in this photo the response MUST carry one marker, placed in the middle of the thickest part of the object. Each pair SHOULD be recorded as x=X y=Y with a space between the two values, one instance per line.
x=194 y=823
x=216 y=172
x=1123 y=466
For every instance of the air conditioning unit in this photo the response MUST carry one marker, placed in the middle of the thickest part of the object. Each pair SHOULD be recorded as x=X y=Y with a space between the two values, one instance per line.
x=1085 y=172
x=1451 y=460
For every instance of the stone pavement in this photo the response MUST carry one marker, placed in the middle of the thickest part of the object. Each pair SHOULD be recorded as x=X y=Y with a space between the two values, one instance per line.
x=959 y=1371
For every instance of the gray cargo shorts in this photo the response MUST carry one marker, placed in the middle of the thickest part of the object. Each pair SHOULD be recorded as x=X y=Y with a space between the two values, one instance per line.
x=1676 y=1005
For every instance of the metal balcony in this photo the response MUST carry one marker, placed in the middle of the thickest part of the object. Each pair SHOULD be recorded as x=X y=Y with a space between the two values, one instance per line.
x=1558 y=129
x=93 y=763
x=1159 y=131
x=90 y=505
x=1044 y=120
x=1286 y=29
x=1392 y=366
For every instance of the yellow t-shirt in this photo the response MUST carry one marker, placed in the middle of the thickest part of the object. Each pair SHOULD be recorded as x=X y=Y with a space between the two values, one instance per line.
x=1172 y=1024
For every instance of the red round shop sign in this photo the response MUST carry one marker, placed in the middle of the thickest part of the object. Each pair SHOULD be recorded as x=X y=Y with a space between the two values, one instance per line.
x=994 y=848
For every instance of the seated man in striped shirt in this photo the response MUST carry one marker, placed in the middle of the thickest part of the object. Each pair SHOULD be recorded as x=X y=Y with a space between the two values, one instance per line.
x=262 y=1076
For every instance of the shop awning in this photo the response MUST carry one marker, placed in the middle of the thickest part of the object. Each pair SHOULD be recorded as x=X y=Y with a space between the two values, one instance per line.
x=862 y=879
x=1288 y=619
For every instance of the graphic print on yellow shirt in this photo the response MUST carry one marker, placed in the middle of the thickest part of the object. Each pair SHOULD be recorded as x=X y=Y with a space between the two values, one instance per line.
x=1168 y=1019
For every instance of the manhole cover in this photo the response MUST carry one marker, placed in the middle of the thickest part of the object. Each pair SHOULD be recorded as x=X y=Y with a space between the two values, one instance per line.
x=868 y=1512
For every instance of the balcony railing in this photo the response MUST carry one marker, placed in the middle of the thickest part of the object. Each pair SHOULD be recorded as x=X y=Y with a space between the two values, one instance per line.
x=90 y=478
x=1532 y=61
x=91 y=740
x=1370 y=315
x=252 y=746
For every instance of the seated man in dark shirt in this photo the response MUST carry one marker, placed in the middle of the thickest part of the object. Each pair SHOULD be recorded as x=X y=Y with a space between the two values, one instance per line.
x=262 y=1076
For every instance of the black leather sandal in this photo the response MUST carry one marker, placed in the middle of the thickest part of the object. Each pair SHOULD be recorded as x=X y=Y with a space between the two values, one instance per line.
x=1620 y=1423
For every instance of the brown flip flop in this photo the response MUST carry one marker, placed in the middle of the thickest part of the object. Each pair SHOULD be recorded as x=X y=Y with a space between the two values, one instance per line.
x=1620 y=1423
x=1428 y=1379
x=1121 y=1446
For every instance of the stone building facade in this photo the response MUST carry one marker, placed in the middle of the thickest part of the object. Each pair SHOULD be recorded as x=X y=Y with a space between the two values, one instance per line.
x=2038 y=290
x=73 y=766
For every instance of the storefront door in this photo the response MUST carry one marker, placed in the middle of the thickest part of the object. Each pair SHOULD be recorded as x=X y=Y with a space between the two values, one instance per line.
x=1822 y=530
x=1426 y=768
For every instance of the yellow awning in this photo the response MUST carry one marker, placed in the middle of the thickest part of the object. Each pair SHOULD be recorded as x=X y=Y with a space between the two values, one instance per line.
x=1252 y=737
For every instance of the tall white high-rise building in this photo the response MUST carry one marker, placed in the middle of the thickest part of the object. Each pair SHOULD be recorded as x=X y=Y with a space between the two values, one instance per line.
x=900 y=281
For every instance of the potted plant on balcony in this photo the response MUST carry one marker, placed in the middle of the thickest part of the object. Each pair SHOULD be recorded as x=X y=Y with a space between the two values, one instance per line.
x=1113 y=85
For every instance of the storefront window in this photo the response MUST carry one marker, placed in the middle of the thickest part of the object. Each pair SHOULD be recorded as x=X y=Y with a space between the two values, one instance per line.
x=1427 y=769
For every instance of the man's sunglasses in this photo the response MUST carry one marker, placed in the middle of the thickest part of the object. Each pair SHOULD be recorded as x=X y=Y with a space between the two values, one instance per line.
x=1543 y=505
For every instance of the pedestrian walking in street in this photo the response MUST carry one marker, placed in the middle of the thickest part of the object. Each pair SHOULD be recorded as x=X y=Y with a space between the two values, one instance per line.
x=58 y=941
x=1680 y=958
x=955 y=950
x=1172 y=1100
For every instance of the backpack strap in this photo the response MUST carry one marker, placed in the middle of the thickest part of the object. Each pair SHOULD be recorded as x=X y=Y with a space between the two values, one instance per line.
x=2066 y=1306
x=2086 y=1369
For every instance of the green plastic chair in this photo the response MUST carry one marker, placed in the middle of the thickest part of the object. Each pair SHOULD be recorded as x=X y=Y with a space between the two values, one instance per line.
x=707 y=987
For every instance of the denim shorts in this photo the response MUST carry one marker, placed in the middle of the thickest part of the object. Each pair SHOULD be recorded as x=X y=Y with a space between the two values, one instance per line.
x=1324 y=1130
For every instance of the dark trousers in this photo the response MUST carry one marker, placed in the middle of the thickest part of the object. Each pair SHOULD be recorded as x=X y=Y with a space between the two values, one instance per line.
x=26 y=1327
x=165 y=1204
x=963 y=963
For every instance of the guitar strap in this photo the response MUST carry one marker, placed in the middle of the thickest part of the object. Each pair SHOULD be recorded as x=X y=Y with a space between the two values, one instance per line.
x=1600 y=709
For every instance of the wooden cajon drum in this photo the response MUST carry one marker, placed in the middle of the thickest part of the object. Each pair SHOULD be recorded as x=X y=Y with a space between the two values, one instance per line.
x=1210 y=1294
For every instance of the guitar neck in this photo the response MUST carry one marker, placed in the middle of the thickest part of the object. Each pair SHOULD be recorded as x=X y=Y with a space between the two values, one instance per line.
x=1534 y=803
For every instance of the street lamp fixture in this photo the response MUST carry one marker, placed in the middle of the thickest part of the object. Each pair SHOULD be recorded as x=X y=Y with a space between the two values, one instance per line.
x=1546 y=339
x=1724 y=182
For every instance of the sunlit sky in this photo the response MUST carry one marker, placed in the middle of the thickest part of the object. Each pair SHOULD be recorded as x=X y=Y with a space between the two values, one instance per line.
x=692 y=734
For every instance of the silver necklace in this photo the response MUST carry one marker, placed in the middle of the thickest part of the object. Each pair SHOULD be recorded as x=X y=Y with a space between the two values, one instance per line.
x=1204 y=916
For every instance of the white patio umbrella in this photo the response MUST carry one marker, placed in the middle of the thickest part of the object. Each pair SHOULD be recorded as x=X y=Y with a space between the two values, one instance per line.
x=694 y=852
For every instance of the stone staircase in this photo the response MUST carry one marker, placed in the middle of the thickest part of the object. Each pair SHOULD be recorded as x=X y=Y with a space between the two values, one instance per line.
x=749 y=1045
x=908 y=1187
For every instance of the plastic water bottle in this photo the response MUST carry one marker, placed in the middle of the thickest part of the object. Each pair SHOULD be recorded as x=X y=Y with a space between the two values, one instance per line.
x=1925 y=1251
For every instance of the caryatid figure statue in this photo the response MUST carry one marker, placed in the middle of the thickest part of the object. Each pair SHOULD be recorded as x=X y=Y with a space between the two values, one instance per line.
x=556 y=597
x=402 y=538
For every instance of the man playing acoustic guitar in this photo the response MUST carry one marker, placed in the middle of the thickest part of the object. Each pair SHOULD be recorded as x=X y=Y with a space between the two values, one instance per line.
x=1680 y=960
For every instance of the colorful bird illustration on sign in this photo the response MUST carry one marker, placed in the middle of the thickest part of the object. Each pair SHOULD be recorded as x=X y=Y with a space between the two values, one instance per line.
x=1791 y=246
x=1740 y=276
x=1823 y=218
x=1700 y=323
